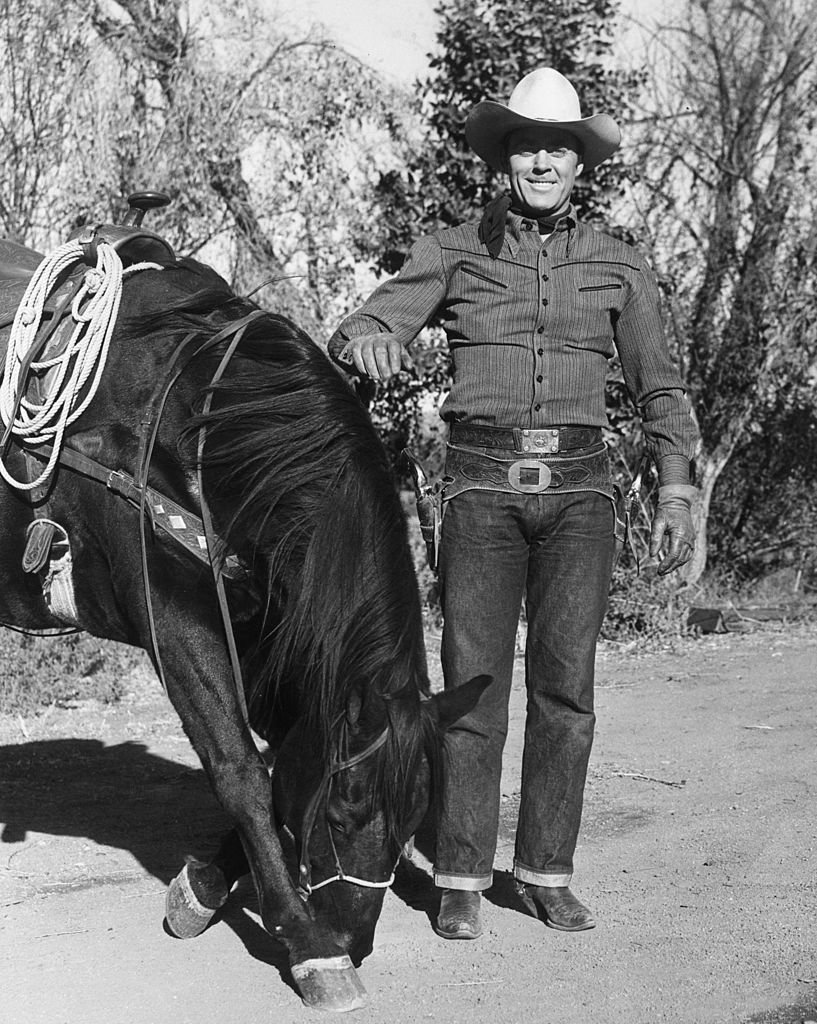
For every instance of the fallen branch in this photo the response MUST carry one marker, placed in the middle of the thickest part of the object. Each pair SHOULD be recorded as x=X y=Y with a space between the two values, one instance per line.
x=650 y=778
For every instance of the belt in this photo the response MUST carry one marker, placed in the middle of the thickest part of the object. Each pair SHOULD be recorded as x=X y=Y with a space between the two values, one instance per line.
x=522 y=440
x=556 y=474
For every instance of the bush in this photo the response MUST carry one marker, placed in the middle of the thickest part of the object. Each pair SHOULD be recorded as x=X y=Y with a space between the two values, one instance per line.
x=36 y=672
x=645 y=607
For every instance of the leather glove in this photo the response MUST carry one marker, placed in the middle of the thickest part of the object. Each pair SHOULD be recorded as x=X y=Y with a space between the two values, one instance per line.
x=672 y=527
x=378 y=356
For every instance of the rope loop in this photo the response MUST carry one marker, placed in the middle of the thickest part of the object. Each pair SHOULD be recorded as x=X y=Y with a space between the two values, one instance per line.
x=81 y=361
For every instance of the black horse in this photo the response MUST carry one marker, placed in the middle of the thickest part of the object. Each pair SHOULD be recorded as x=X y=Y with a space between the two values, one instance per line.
x=272 y=447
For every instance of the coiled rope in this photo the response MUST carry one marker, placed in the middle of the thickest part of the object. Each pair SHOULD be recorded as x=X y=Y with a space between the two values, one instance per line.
x=94 y=310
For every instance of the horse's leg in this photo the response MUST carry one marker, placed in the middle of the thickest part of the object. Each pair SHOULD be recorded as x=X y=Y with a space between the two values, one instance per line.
x=108 y=586
x=199 y=682
x=201 y=888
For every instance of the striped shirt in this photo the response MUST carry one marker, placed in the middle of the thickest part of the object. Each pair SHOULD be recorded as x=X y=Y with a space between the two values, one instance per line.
x=531 y=333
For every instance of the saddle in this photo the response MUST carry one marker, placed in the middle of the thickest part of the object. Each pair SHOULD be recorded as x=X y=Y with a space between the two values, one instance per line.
x=132 y=242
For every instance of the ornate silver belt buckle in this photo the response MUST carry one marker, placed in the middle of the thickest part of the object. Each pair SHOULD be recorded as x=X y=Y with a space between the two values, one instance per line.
x=529 y=476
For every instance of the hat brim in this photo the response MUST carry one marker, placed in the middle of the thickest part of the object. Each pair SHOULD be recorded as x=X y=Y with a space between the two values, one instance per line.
x=489 y=124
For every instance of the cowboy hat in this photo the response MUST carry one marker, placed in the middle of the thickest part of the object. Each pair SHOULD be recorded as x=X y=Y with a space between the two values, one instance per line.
x=543 y=97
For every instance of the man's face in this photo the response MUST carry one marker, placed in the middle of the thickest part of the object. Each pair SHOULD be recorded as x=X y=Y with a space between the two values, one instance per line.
x=542 y=164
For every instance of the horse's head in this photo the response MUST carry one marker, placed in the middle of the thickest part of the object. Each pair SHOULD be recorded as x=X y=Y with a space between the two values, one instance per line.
x=350 y=817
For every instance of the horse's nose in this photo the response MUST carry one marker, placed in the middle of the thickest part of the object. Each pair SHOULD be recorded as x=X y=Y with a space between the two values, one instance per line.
x=352 y=913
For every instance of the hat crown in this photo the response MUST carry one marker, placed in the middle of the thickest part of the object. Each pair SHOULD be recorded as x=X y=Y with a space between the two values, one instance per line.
x=545 y=95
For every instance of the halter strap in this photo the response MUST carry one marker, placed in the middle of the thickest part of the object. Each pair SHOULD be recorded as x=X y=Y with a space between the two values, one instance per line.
x=305 y=885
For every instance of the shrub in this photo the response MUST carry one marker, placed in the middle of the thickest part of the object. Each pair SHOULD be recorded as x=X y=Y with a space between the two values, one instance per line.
x=36 y=672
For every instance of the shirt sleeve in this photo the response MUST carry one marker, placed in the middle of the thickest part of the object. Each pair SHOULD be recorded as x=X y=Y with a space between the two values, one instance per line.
x=650 y=374
x=403 y=305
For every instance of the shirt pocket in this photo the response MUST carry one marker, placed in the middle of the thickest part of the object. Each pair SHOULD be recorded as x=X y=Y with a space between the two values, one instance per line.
x=614 y=287
x=592 y=316
x=473 y=275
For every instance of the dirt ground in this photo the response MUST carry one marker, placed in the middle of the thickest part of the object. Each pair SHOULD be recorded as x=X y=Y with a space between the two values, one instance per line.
x=697 y=855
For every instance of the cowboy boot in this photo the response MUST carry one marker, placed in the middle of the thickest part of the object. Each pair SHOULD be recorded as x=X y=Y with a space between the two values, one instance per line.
x=459 y=916
x=556 y=906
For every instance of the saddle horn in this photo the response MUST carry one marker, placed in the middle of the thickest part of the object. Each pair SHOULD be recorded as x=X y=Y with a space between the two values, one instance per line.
x=140 y=202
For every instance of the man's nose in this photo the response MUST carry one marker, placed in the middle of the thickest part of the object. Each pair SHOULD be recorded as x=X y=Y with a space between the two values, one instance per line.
x=542 y=161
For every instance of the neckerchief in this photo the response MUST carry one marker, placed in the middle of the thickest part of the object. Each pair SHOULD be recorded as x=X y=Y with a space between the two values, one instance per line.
x=492 y=226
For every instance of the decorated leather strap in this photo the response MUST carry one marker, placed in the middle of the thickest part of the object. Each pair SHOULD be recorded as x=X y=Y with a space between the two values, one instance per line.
x=466 y=470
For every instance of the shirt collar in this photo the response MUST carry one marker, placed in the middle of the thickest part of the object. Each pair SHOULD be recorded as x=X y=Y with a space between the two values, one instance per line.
x=517 y=224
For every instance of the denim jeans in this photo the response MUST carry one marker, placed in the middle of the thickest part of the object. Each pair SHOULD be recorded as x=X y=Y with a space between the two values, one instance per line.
x=555 y=551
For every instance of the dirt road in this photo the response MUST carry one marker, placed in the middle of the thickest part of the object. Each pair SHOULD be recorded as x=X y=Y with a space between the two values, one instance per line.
x=697 y=855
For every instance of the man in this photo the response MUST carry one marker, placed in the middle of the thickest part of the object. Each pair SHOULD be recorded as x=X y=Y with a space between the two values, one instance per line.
x=533 y=303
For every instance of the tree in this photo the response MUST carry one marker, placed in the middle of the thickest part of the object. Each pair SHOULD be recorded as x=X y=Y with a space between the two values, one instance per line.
x=484 y=47
x=248 y=123
x=729 y=146
x=42 y=51
x=240 y=124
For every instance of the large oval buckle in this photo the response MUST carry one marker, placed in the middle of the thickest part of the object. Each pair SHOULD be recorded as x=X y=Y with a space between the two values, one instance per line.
x=529 y=476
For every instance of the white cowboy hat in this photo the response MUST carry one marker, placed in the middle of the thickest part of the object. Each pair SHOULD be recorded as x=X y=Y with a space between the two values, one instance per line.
x=543 y=97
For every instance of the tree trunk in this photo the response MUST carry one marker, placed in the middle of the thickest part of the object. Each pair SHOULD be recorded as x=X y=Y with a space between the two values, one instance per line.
x=709 y=469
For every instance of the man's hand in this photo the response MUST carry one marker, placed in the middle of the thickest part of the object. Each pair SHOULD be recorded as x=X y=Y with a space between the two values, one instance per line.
x=379 y=356
x=672 y=528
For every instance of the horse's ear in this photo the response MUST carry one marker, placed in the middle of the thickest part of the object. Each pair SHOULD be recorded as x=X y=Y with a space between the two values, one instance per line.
x=450 y=705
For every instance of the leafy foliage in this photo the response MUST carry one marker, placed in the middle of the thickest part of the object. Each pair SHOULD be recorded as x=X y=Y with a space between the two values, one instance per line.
x=728 y=195
x=484 y=47
x=36 y=672
x=266 y=144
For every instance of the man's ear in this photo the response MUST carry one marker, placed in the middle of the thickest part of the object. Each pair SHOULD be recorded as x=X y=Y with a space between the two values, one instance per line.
x=449 y=706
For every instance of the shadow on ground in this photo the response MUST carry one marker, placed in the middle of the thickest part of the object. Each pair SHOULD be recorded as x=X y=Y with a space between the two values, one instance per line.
x=120 y=796
x=126 y=798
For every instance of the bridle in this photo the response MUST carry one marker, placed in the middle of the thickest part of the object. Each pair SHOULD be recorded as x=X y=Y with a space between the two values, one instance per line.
x=305 y=884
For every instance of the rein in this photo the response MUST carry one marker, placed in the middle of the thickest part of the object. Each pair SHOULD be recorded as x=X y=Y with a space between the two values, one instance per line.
x=305 y=885
x=150 y=431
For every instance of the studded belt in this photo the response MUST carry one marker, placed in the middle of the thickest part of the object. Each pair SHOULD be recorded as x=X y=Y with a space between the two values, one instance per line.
x=549 y=440
x=469 y=469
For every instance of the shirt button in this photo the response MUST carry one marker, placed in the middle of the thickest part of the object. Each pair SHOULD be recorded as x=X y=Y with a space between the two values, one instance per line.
x=545 y=277
x=540 y=330
x=544 y=302
x=544 y=253
x=540 y=378
x=540 y=351
x=537 y=408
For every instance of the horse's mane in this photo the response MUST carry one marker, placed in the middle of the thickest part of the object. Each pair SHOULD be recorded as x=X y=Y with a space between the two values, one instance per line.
x=301 y=490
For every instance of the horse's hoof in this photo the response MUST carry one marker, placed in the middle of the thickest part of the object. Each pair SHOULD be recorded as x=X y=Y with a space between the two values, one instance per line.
x=330 y=984
x=186 y=916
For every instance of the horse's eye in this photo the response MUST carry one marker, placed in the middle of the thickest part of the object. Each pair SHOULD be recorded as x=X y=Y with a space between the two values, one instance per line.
x=335 y=821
